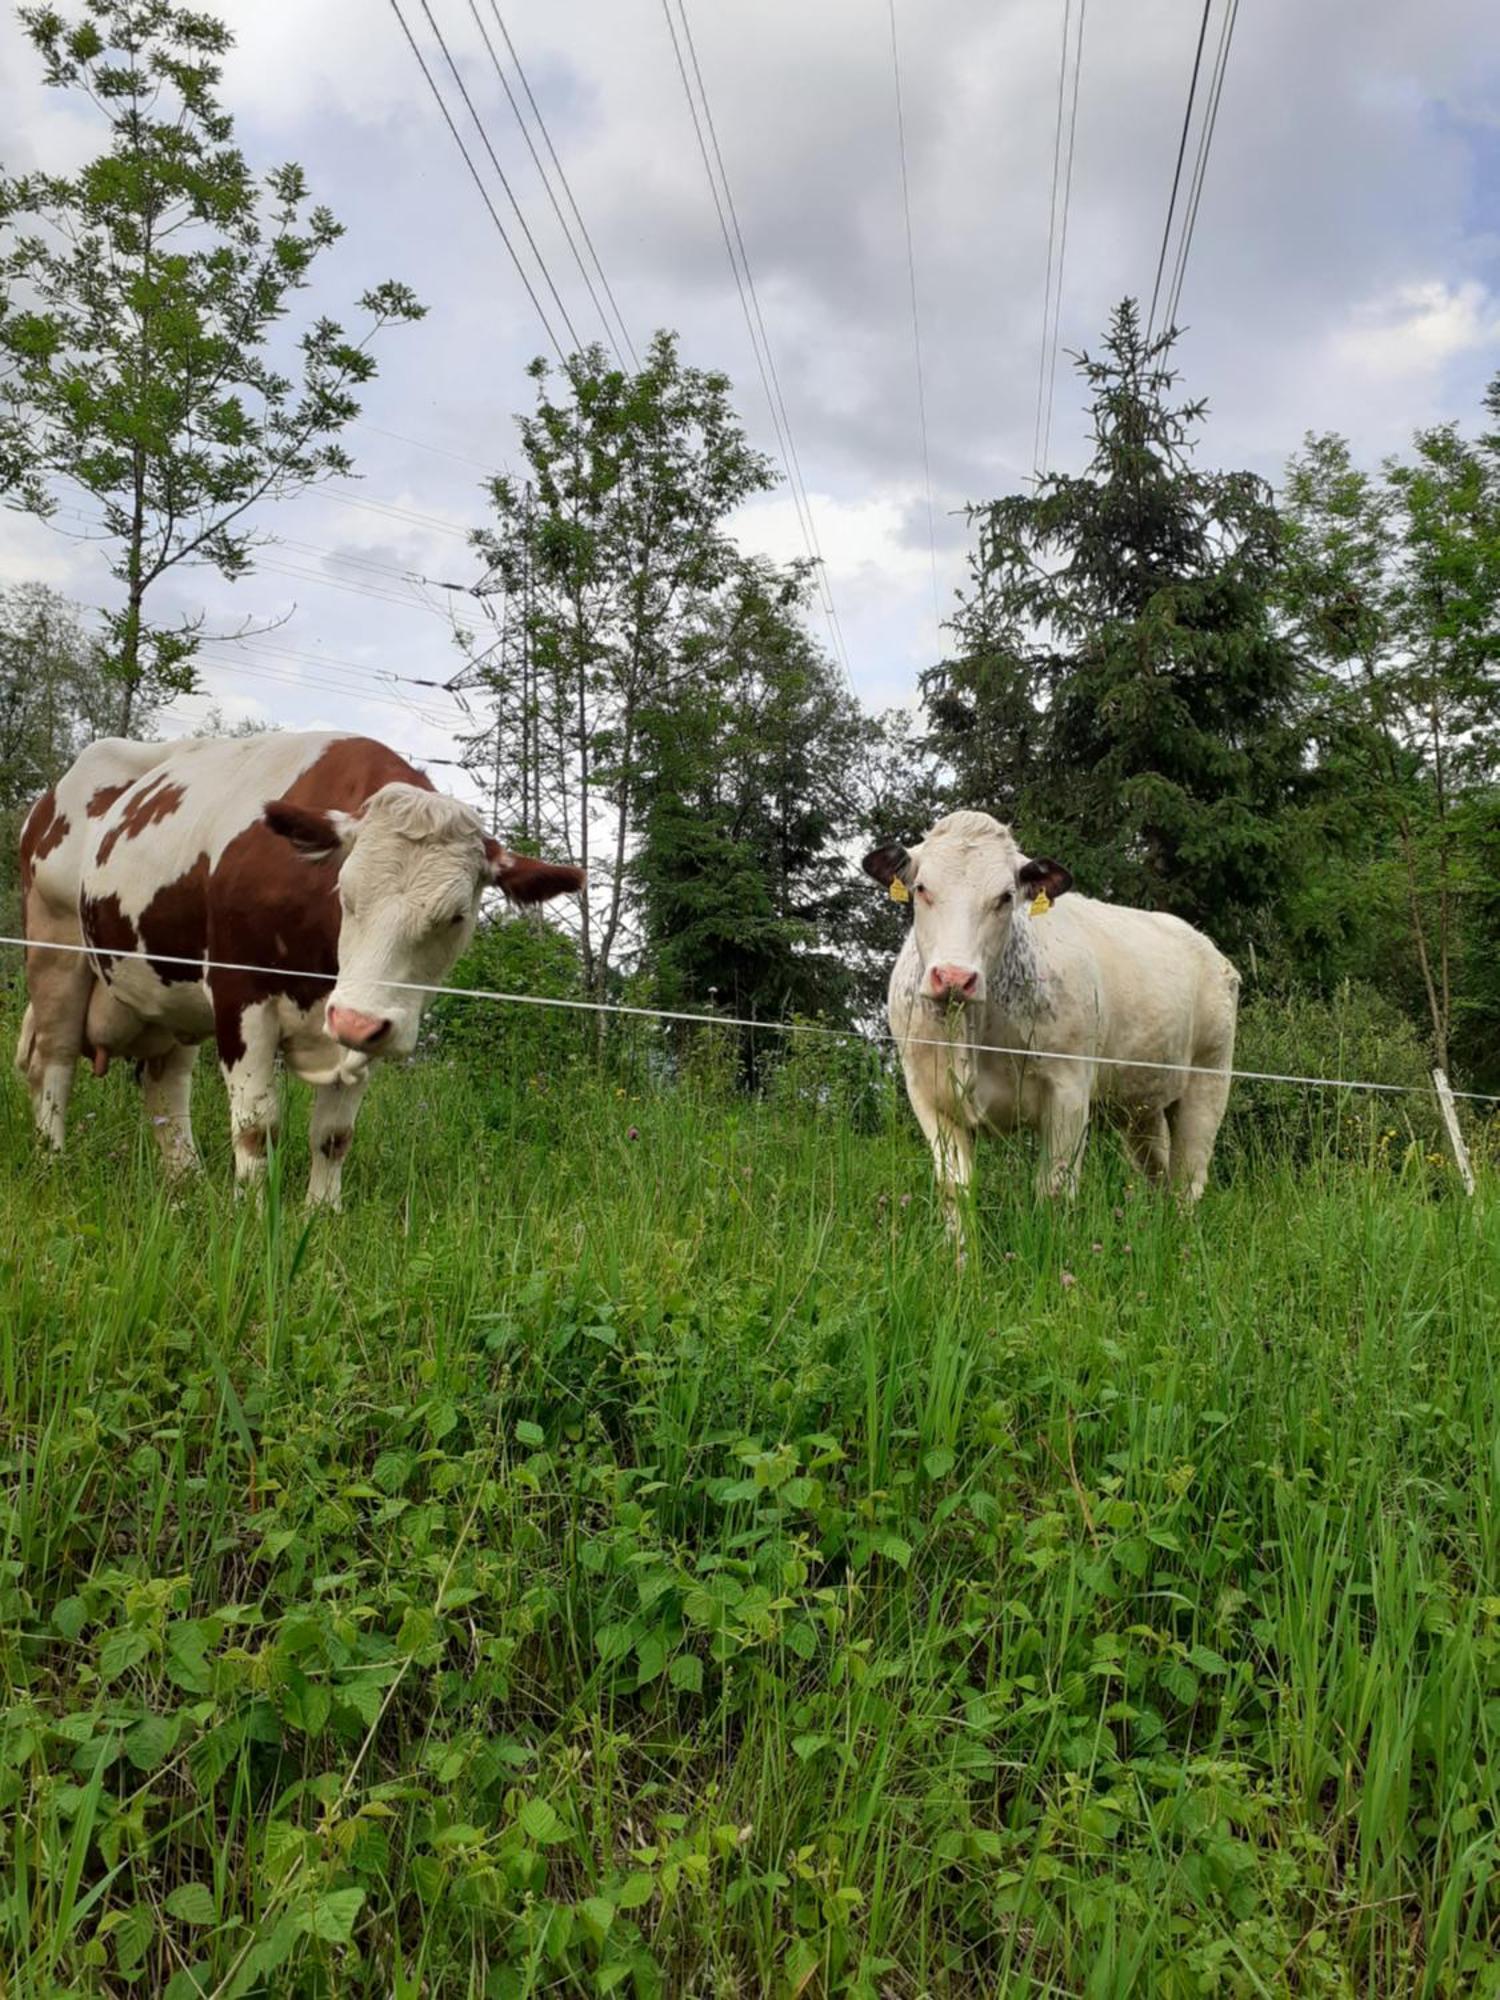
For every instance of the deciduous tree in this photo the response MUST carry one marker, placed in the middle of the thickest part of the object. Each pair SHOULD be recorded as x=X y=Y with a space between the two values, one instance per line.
x=144 y=356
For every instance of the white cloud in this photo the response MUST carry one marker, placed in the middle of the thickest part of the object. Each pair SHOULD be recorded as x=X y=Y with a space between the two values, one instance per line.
x=1413 y=333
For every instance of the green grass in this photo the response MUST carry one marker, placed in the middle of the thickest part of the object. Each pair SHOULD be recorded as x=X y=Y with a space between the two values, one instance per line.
x=606 y=1563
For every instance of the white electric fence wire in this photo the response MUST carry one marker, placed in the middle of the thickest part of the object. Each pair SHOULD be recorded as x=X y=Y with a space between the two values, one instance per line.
x=955 y=1044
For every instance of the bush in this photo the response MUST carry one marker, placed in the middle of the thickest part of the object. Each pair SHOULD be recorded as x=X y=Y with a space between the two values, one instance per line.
x=1354 y=1032
x=838 y=1077
x=523 y=955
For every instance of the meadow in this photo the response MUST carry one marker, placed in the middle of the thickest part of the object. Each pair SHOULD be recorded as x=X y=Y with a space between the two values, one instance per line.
x=622 y=1554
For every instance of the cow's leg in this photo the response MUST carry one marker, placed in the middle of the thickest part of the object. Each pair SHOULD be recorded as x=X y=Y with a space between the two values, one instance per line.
x=248 y=1039
x=52 y=1031
x=952 y=1159
x=1195 y=1119
x=167 y=1091
x=335 y=1108
x=1148 y=1139
x=1065 y=1125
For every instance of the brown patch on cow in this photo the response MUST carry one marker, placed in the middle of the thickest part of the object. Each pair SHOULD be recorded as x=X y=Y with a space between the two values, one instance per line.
x=336 y=1145
x=106 y=929
x=155 y=799
x=46 y=828
x=174 y=927
x=251 y=1141
x=271 y=906
x=104 y=797
x=310 y=832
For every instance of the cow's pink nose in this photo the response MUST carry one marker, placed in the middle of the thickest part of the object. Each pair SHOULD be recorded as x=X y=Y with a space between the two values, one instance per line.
x=355 y=1030
x=959 y=981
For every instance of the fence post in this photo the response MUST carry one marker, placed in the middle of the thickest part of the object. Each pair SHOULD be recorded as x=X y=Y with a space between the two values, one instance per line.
x=1455 y=1137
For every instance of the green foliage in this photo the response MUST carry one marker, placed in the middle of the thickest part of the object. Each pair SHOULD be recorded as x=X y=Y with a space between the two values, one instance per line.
x=1355 y=1031
x=745 y=896
x=524 y=955
x=840 y=1080
x=622 y=1554
x=55 y=696
x=1390 y=588
x=610 y=554
x=1120 y=691
x=138 y=301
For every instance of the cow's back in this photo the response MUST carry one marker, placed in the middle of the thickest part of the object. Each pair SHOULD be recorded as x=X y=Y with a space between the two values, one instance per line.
x=1158 y=990
x=58 y=831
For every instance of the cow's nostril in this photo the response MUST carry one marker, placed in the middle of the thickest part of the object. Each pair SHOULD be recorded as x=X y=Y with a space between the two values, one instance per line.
x=945 y=981
x=356 y=1030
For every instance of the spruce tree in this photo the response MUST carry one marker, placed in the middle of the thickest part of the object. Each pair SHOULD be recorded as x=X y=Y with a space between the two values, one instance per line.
x=1121 y=690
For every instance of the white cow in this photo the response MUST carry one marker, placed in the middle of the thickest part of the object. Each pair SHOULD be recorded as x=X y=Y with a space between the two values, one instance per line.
x=1094 y=985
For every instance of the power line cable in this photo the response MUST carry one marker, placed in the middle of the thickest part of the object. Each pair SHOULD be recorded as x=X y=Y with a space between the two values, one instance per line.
x=423 y=444
x=1226 y=37
x=301 y=574
x=294 y=683
x=536 y=161
x=327 y=663
x=764 y=361
x=1187 y=119
x=1041 y=373
x=484 y=139
x=475 y=177
x=1057 y=236
x=916 y=323
x=566 y=187
x=371 y=563
x=1062 y=245
x=392 y=511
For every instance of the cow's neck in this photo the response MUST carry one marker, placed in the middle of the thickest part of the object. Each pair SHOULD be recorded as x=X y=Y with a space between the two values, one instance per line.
x=1017 y=984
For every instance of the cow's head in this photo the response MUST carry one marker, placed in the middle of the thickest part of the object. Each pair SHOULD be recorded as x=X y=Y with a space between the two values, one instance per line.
x=414 y=866
x=965 y=882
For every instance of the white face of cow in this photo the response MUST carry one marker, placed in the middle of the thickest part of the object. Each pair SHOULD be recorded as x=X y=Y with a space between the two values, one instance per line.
x=415 y=866
x=964 y=882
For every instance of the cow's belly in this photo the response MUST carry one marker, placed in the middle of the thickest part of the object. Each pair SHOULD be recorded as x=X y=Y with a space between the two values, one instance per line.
x=1128 y=1089
x=1007 y=1096
x=181 y=1006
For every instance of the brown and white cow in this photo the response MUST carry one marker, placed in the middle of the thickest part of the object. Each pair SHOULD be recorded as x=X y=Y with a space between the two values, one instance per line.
x=1095 y=986
x=323 y=866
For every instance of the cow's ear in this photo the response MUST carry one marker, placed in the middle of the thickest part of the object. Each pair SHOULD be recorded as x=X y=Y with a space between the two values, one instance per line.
x=524 y=880
x=888 y=863
x=314 y=834
x=1044 y=878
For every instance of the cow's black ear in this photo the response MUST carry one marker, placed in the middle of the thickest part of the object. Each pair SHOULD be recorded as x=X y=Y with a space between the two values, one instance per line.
x=1045 y=878
x=887 y=863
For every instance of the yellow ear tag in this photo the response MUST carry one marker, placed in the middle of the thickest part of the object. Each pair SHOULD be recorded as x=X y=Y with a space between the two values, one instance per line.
x=1042 y=904
x=899 y=891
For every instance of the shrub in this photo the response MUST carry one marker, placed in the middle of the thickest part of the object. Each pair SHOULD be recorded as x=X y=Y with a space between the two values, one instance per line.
x=836 y=1077
x=1354 y=1032
x=523 y=955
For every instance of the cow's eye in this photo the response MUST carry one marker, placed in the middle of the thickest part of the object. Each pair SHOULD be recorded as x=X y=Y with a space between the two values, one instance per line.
x=1002 y=901
x=458 y=916
x=925 y=894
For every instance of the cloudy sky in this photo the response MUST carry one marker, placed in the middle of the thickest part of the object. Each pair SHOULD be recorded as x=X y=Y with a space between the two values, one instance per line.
x=1345 y=273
